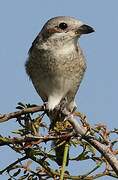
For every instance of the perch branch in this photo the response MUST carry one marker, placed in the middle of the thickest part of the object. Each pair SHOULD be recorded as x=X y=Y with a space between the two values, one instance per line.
x=16 y=114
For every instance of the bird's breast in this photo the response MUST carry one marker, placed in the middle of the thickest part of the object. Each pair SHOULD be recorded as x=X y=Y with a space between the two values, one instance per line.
x=56 y=72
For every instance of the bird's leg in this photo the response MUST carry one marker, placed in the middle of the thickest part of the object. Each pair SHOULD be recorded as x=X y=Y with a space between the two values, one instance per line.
x=68 y=114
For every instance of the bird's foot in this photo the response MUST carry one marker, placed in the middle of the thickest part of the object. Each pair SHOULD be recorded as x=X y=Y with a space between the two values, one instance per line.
x=45 y=107
x=68 y=116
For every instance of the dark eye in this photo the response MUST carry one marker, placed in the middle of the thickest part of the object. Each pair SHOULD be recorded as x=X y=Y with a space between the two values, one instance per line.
x=63 y=25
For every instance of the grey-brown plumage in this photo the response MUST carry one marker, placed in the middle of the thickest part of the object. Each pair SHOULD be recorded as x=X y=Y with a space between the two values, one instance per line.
x=56 y=63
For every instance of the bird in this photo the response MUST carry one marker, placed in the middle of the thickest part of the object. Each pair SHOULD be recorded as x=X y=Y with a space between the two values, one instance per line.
x=56 y=64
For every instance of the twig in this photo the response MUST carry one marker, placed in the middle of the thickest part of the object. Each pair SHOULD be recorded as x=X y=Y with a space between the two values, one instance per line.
x=26 y=139
x=94 y=169
x=13 y=164
x=49 y=171
x=16 y=114
x=103 y=149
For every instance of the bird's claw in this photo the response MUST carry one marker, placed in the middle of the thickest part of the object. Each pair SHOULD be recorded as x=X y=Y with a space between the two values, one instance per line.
x=69 y=116
x=45 y=106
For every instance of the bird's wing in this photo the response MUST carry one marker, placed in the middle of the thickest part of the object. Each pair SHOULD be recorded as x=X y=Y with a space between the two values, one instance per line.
x=34 y=43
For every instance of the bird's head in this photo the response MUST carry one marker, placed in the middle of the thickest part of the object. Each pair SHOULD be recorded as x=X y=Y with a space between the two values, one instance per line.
x=64 y=28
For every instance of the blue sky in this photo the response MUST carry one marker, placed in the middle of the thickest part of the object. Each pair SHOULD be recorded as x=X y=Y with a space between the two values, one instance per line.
x=20 y=22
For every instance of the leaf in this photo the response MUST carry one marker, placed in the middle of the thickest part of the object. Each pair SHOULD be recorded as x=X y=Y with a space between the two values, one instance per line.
x=116 y=130
x=82 y=156
x=20 y=106
x=16 y=173
x=19 y=131
x=74 y=143
x=89 y=147
x=23 y=177
x=31 y=105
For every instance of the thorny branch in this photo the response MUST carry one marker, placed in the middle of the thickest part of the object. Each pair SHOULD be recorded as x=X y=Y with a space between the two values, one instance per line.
x=105 y=150
x=31 y=145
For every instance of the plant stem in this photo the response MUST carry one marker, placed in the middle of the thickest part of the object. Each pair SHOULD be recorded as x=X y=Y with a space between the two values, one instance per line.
x=64 y=161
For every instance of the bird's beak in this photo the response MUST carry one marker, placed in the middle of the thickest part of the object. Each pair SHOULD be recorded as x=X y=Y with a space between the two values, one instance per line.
x=84 y=29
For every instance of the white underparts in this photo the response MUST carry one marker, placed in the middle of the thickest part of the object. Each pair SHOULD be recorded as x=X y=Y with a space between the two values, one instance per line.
x=53 y=101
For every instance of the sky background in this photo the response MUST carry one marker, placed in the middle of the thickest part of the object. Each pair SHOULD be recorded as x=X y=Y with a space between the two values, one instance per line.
x=20 y=22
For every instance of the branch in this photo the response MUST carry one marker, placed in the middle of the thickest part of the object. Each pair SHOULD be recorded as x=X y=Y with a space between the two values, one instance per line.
x=103 y=149
x=16 y=114
x=27 y=139
x=30 y=155
x=84 y=132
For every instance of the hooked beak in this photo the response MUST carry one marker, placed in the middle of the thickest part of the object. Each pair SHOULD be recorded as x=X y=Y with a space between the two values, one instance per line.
x=85 y=29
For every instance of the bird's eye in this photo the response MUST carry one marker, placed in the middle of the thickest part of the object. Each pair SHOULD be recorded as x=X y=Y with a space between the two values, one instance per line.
x=63 y=25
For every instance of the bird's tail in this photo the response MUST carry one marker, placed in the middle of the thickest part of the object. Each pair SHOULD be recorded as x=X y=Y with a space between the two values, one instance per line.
x=58 y=126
